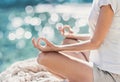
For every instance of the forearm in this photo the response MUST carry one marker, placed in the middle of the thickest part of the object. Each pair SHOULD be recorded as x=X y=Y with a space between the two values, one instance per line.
x=82 y=37
x=86 y=46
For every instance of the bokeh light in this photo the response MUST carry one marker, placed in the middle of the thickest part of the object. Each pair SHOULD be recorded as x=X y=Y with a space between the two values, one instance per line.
x=47 y=32
x=80 y=23
x=59 y=25
x=11 y=36
x=17 y=22
x=35 y=21
x=54 y=17
x=65 y=17
x=28 y=35
x=19 y=33
x=42 y=8
x=27 y=19
x=29 y=9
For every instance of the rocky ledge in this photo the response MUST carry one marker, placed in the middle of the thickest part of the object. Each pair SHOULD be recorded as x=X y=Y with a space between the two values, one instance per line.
x=28 y=71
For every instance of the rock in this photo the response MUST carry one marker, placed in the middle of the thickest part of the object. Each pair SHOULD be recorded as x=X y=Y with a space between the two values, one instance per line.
x=28 y=71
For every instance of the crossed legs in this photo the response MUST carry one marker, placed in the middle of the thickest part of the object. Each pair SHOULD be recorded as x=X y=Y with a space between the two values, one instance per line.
x=67 y=65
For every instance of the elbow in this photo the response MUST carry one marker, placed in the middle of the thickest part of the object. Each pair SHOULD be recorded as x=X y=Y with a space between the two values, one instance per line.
x=95 y=44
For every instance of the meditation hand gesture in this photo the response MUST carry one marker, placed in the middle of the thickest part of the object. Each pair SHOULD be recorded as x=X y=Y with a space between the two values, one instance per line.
x=48 y=47
x=66 y=31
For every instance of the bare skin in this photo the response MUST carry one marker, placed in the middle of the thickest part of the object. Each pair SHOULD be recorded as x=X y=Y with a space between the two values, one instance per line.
x=77 y=55
x=66 y=66
x=76 y=70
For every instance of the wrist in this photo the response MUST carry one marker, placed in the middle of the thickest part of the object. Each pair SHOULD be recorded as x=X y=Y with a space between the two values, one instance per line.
x=71 y=36
x=59 y=48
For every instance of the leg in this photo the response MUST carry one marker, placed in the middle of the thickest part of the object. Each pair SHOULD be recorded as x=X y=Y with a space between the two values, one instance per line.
x=75 y=70
x=80 y=55
x=57 y=75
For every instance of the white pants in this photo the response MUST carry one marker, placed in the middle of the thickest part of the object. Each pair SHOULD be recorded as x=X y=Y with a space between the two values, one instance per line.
x=104 y=76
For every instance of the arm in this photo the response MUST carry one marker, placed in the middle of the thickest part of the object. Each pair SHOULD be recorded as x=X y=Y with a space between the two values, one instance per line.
x=102 y=28
x=82 y=37
x=67 y=32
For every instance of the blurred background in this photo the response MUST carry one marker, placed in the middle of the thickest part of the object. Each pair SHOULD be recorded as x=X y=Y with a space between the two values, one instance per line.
x=20 y=20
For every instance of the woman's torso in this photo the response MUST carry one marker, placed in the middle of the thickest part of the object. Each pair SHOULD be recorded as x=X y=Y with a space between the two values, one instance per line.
x=107 y=57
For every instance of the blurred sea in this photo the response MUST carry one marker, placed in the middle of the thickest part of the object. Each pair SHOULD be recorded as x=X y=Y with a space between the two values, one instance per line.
x=19 y=25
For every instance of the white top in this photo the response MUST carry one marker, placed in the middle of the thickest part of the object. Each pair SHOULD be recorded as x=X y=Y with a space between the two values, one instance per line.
x=107 y=57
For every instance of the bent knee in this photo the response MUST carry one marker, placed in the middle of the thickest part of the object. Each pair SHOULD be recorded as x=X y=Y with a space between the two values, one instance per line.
x=41 y=58
x=45 y=58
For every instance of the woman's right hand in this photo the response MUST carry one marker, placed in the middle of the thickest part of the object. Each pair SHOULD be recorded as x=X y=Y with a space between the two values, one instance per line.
x=66 y=31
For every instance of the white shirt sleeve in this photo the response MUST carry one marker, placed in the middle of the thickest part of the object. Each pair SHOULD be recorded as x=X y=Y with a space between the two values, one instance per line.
x=112 y=3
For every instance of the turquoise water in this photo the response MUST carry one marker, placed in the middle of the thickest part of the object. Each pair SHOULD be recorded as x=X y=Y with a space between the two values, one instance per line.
x=19 y=25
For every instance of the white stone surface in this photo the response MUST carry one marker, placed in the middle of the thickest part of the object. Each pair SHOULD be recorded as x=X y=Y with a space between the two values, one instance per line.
x=27 y=71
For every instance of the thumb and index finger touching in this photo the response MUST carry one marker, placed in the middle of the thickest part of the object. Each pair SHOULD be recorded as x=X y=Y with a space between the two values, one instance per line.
x=37 y=44
x=65 y=28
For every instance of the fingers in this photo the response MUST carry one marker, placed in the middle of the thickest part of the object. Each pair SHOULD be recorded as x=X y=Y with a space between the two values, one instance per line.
x=34 y=42
x=67 y=27
x=45 y=40
x=64 y=28
x=61 y=30
x=39 y=46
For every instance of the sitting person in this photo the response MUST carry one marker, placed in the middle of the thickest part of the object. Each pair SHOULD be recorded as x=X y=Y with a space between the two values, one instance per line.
x=104 y=44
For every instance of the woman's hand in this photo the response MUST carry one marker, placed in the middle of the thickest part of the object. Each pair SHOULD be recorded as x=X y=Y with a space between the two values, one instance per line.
x=48 y=47
x=66 y=31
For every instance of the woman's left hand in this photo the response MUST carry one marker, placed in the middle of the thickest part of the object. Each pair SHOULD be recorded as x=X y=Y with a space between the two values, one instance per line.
x=48 y=47
x=66 y=31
